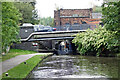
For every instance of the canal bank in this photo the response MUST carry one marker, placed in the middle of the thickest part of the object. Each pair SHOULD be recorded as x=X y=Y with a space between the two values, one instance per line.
x=27 y=64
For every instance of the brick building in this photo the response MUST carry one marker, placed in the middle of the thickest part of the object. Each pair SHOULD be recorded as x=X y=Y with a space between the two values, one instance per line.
x=64 y=17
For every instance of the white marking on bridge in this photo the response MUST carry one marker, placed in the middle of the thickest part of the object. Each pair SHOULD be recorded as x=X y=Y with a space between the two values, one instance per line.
x=54 y=32
x=51 y=39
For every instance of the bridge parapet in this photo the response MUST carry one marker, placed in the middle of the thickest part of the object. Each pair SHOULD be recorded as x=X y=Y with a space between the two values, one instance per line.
x=39 y=36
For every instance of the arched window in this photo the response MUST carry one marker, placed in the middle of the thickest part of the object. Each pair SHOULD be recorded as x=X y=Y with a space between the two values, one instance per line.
x=76 y=23
x=67 y=23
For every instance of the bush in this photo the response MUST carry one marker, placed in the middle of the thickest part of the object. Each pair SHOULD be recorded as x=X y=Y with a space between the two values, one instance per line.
x=96 y=41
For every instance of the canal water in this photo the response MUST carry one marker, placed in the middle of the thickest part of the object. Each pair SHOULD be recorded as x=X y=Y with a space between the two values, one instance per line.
x=67 y=66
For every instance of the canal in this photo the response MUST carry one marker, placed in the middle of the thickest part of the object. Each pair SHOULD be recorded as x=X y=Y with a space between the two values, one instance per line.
x=67 y=66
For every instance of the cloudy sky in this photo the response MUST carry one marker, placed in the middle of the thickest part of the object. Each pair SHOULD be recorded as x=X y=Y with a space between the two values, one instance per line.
x=46 y=7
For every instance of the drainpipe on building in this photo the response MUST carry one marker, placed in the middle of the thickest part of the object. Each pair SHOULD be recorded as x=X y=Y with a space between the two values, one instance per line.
x=91 y=13
x=59 y=21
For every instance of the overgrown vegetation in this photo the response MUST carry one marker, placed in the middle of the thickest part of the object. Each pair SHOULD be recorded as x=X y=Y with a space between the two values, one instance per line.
x=22 y=70
x=96 y=42
x=103 y=40
x=16 y=52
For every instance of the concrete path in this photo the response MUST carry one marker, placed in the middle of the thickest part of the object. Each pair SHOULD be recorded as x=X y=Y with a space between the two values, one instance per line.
x=10 y=63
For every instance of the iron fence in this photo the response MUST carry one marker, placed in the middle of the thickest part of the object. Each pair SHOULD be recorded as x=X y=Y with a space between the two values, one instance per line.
x=75 y=27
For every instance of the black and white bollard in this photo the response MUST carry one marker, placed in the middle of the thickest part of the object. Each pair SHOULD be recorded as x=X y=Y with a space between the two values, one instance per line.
x=6 y=74
x=25 y=62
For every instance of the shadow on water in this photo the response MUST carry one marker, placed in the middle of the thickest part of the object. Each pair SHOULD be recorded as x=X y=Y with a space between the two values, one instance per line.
x=78 y=67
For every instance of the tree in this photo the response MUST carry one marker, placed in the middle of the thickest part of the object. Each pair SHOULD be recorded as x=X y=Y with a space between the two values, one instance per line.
x=111 y=12
x=29 y=14
x=47 y=21
x=10 y=21
x=35 y=19
x=97 y=9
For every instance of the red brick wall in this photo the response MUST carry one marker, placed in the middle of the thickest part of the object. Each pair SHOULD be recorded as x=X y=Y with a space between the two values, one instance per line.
x=56 y=18
x=63 y=16
x=70 y=12
x=71 y=20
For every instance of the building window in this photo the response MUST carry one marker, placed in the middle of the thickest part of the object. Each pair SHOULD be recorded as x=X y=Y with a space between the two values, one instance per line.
x=76 y=23
x=83 y=22
x=75 y=15
x=67 y=23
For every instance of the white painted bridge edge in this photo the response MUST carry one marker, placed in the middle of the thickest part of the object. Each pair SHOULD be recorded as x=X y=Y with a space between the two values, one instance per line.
x=54 y=32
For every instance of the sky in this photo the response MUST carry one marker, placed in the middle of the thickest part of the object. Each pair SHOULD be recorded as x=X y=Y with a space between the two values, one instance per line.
x=46 y=8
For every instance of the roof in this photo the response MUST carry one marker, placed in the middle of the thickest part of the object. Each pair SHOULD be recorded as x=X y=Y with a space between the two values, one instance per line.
x=74 y=9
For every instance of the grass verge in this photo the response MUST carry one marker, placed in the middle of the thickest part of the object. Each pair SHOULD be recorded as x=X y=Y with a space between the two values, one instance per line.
x=16 y=52
x=22 y=70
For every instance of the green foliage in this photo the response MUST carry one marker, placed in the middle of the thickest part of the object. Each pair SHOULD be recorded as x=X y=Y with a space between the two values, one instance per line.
x=0 y=29
x=10 y=21
x=111 y=12
x=29 y=14
x=96 y=41
x=35 y=19
x=97 y=9
x=47 y=21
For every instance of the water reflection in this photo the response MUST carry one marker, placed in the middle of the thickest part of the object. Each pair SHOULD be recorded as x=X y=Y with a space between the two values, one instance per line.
x=65 y=66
